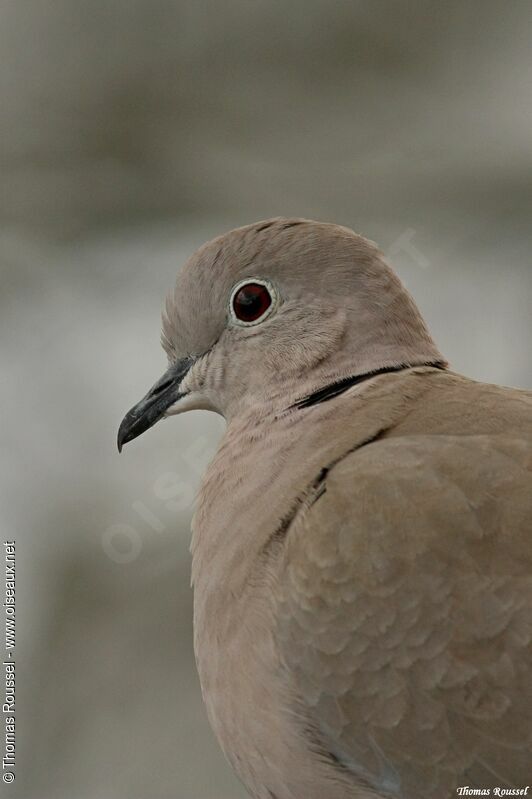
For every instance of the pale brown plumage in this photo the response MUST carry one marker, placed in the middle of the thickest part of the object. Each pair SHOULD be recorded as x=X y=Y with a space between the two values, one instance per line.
x=362 y=565
x=406 y=604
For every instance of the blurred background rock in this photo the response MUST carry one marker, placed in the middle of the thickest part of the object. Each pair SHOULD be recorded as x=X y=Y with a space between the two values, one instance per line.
x=131 y=131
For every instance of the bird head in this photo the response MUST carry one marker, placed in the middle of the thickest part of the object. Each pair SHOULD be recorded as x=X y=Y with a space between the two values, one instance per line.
x=267 y=314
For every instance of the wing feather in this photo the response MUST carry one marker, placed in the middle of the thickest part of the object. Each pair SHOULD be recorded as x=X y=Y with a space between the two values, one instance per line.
x=406 y=616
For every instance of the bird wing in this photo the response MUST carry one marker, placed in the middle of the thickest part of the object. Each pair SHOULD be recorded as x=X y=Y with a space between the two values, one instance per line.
x=406 y=613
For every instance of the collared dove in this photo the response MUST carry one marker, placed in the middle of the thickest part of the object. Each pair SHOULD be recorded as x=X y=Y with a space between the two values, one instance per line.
x=362 y=545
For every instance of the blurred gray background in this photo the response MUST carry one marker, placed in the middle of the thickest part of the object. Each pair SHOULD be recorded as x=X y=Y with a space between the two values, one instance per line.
x=131 y=131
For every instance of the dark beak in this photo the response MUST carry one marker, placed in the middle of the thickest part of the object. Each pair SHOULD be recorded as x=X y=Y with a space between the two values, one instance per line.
x=151 y=408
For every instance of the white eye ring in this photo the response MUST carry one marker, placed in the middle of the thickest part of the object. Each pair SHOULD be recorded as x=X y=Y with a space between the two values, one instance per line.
x=257 y=281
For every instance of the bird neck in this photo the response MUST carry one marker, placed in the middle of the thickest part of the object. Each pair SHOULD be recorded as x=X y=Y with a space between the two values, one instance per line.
x=265 y=464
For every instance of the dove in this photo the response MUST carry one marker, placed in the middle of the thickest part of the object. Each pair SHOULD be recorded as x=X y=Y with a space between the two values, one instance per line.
x=362 y=541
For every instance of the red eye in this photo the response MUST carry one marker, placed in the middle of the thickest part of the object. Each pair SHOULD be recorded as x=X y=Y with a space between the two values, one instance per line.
x=251 y=301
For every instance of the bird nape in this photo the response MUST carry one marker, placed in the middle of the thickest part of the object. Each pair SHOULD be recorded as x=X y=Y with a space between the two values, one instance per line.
x=362 y=542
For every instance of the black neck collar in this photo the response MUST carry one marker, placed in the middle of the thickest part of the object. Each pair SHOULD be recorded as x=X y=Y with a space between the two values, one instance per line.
x=334 y=389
